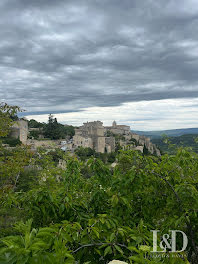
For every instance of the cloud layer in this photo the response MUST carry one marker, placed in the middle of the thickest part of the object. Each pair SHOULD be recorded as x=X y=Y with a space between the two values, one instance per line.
x=65 y=56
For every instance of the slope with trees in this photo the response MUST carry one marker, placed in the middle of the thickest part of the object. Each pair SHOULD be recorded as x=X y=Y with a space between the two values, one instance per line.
x=165 y=143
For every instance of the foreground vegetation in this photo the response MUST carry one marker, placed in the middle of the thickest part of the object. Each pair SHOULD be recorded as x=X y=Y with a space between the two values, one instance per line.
x=88 y=212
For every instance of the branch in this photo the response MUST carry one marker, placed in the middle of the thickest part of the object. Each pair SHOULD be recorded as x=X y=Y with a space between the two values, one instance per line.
x=172 y=188
x=98 y=244
x=89 y=245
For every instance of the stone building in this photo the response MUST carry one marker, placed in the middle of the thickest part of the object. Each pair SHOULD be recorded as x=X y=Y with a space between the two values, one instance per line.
x=103 y=139
x=118 y=129
x=130 y=140
x=20 y=130
x=95 y=136
x=92 y=135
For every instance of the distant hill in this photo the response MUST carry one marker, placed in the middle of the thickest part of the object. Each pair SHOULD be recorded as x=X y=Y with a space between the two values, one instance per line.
x=188 y=140
x=170 y=133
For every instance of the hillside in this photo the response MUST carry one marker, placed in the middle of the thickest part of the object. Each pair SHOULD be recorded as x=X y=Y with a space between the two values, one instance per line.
x=188 y=140
x=170 y=133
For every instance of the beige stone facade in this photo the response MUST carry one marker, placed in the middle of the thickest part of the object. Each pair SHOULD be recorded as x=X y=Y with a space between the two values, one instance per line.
x=91 y=135
x=20 y=130
x=85 y=142
x=118 y=129
x=98 y=137
x=48 y=144
x=131 y=140
x=109 y=144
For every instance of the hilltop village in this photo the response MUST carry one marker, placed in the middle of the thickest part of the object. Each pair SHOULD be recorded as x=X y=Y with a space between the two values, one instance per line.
x=94 y=135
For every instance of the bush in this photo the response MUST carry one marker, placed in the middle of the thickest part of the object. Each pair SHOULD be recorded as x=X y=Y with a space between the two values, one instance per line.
x=34 y=134
x=12 y=142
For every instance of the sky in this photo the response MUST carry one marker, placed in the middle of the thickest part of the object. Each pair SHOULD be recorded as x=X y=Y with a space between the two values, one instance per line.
x=133 y=61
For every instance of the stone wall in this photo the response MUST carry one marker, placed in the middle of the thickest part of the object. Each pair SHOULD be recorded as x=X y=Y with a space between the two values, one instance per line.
x=110 y=144
x=118 y=129
x=140 y=148
x=91 y=134
x=20 y=130
x=99 y=144
x=43 y=143
x=80 y=141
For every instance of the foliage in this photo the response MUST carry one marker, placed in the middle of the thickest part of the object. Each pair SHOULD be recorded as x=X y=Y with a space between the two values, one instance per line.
x=34 y=134
x=117 y=137
x=89 y=212
x=109 y=134
x=6 y=114
x=108 y=215
x=188 y=140
x=12 y=163
x=85 y=153
x=27 y=179
x=55 y=130
x=12 y=142
x=145 y=150
x=56 y=155
x=35 y=124
x=69 y=131
x=134 y=141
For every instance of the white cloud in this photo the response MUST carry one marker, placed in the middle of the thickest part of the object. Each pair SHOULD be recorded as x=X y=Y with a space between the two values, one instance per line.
x=144 y=115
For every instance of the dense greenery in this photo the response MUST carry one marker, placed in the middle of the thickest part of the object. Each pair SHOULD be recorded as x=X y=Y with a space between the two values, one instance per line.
x=51 y=130
x=180 y=141
x=35 y=124
x=6 y=120
x=85 y=153
x=89 y=212
x=55 y=130
x=12 y=142
x=34 y=134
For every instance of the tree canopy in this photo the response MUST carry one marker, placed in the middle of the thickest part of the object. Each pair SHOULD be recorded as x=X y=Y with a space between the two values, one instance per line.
x=55 y=130
x=35 y=124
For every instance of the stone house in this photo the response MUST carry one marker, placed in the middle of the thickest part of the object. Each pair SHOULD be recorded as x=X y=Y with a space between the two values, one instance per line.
x=91 y=134
x=118 y=129
x=95 y=136
x=20 y=130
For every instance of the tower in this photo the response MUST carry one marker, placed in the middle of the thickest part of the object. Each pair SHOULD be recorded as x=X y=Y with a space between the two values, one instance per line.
x=114 y=124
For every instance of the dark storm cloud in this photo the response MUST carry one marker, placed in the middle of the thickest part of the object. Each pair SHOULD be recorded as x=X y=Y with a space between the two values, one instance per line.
x=62 y=56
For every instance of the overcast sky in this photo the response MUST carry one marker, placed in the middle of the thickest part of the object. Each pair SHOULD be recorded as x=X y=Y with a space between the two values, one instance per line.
x=135 y=61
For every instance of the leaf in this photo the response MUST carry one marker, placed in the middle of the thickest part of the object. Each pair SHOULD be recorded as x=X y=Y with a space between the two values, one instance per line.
x=61 y=208
x=137 y=259
x=96 y=232
x=145 y=248
x=112 y=236
x=119 y=249
x=132 y=248
x=108 y=250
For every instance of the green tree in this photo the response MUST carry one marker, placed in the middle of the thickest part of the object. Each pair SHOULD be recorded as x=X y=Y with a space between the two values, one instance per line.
x=6 y=121
x=55 y=130
x=35 y=124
